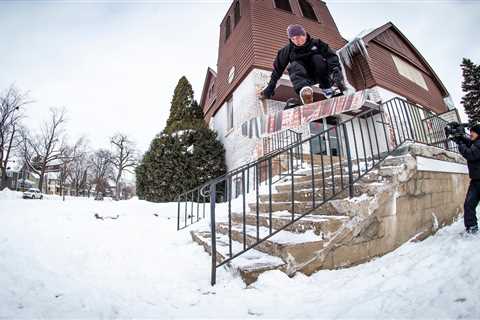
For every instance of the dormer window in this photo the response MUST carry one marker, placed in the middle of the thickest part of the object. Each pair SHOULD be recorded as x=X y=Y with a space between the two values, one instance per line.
x=307 y=10
x=237 y=12
x=227 y=28
x=283 y=4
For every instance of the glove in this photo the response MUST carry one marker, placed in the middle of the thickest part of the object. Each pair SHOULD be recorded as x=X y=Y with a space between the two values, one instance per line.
x=268 y=92
x=337 y=79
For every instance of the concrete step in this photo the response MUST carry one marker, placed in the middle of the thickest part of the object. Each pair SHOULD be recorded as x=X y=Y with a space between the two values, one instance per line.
x=292 y=247
x=322 y=225
x=305 y=183
x=299 y=208
x=306 y=176
x=304 y=173
x=306 y=195
x=300 y=196
x=317 y=159
x=249 y=265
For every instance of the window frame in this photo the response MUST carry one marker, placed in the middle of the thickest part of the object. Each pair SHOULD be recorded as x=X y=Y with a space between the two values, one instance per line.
x=230 y=116
x=284 y=10
x=228 y=27
x=235 y=20
x=313 y=10
x=210 y=90
x=409 y=72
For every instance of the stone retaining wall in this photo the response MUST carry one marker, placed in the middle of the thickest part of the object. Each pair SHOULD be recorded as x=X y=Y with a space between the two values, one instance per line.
x=409 y=205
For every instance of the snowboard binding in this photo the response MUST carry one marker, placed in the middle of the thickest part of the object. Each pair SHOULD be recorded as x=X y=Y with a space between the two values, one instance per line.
x=332 y=92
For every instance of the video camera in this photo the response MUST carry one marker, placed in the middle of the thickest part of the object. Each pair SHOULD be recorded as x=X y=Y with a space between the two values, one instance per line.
x=455 y=130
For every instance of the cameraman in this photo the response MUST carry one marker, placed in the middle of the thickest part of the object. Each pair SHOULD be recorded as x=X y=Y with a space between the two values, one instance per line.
x=470 y=150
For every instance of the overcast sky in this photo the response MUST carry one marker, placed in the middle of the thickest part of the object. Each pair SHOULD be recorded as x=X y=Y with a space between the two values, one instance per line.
x=114 y=65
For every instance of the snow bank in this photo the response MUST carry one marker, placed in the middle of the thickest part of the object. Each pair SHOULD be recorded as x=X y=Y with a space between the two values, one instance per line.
x=7 y=194
x=58 y=261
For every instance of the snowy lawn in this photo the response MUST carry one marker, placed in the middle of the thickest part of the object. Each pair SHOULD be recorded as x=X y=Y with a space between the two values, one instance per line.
x=58 y=261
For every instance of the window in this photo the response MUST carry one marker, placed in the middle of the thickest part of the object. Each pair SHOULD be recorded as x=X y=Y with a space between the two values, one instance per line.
x=307 y=9
x=237 y=12
x=231 y=74
x=409 y=72
x=229 y=114
x=227 y=28
x=210 y=91
x=283 y=4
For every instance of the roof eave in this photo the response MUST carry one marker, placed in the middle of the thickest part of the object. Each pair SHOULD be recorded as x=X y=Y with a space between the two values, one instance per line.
x=210 y=73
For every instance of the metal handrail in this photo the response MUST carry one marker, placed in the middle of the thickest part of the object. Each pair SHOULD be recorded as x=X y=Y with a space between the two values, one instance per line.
x=244 y=166
x=360 y=144
x=201 y=189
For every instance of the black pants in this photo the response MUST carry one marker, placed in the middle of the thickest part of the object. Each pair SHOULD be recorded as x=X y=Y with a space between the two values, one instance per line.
x=471 y=203
x=309 y=72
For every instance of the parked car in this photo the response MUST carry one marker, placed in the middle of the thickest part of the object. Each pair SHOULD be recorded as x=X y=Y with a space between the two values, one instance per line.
x=33 y=193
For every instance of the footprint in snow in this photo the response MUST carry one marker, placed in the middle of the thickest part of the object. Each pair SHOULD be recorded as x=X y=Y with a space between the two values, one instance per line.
x=250 y=312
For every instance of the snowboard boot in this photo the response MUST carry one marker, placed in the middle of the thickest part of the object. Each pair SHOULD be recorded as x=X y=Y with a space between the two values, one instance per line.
x=328 y=93
x=306 y=94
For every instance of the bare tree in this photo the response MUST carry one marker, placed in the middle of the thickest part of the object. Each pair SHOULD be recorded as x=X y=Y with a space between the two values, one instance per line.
x=79 y=165
x=74 y=156
x=46 y=148
x=10 y=115
x=101 y=169
x=124 y=157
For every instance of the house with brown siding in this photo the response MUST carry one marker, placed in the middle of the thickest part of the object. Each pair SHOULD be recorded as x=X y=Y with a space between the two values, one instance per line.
x=252 y=32
x=395 y=65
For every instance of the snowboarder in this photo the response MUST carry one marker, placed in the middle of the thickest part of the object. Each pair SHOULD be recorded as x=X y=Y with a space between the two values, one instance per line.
x=470 y=150
x=311 y=61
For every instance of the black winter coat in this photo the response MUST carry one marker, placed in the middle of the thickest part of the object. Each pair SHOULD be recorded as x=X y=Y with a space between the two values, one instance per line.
x=470 y=150
x=291 y=52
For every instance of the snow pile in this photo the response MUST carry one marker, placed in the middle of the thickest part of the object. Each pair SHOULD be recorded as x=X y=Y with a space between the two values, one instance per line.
x=181 y=133
x=7 y=194
x=58 y=261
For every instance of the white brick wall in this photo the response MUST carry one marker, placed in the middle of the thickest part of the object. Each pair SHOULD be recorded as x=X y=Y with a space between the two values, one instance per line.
x=246 y=105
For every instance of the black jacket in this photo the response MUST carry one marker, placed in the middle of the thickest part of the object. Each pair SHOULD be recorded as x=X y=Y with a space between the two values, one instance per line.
x=291 y=53
x=470 y=150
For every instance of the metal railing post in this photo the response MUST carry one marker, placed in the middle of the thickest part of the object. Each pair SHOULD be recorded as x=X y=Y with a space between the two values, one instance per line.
x=213 y=199
x=349 y=161
x=178 y=214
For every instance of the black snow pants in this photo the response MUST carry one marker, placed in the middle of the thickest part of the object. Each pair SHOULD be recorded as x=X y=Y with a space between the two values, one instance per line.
x=309 y=72
x=471 y=203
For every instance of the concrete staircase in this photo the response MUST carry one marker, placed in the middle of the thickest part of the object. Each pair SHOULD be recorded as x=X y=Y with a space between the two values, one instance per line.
x=294 y=248
x=399 y=200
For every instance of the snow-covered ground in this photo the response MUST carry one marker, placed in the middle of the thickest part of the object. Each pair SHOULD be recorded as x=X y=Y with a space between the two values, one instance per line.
x=58 y=261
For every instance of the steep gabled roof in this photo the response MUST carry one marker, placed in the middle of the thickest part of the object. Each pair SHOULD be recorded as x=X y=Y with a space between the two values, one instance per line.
x=208 y=78
x=376 y=32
